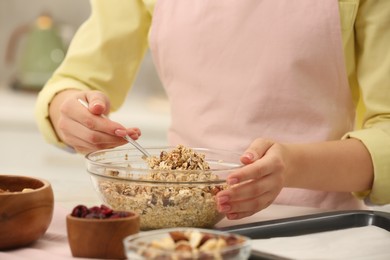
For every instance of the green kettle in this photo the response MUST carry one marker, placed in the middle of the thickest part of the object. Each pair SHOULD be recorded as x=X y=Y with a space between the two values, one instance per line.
x=41 y=53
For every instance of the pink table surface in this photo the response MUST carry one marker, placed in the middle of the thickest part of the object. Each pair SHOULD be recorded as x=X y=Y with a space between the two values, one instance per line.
x=52 y=245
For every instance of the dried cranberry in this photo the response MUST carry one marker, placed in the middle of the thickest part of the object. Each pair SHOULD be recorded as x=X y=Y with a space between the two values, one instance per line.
x=80 y=211
x=124 y=214
x=94 y=209
x=106 y=210
x=119 y=214
x=95 y=215
x=95 y=212
x=115 y=215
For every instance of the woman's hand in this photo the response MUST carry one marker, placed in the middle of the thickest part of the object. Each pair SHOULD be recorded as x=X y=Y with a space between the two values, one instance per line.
x=85 y=129
x=256 y=185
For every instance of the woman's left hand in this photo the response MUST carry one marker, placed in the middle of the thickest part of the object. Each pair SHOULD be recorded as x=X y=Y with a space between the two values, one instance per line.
x=256 y=185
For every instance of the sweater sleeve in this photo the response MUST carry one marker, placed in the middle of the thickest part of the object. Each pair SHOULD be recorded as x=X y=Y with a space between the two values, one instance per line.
x=104 y=55
x=372 y=57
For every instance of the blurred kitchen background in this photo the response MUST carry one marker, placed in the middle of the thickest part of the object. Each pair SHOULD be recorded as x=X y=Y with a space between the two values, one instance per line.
x=33 y=41
x=34 y=35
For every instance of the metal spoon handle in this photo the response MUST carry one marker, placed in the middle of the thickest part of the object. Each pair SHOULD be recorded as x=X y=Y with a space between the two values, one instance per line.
x=126 y=137
x=136 y=145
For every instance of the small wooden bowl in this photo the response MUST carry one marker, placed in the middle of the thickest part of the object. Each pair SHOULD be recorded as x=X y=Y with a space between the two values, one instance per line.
x=100 y=238
x=24 y=215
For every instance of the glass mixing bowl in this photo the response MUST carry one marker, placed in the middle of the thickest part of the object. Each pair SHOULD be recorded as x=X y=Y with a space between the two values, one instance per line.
x=164 y=198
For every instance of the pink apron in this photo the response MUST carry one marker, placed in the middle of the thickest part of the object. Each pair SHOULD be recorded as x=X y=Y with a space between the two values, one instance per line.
x=238 y=70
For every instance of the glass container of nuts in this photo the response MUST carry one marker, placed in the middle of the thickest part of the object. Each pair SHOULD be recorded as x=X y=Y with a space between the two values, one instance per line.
x=174 y=187
x=187 y=243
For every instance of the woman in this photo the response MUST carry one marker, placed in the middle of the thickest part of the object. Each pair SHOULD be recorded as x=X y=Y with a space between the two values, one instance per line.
x=279 y=81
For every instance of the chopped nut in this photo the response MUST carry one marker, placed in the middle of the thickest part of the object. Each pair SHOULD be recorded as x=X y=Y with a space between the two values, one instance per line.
x=205 y=237
x=209 y=245
x=27 y=189
x=178 y=236
x=195 y=238
x=166 y=243
x=183 y=246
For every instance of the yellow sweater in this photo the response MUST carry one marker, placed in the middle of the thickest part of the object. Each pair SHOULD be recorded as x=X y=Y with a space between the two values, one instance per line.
x=93 y=57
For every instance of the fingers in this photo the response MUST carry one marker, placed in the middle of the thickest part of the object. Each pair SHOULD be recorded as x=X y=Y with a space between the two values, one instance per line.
x=86 y=140
x=134 y=133
x=98 y=103
x=98 y=121
x=248 y=207
x=256 y=150
x=258 y=169
x=87 y=129
x=247 y=198
x=134 y=130
x=256 y=185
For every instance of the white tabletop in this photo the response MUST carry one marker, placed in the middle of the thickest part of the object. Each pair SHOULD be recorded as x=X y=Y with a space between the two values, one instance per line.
x=54 y=244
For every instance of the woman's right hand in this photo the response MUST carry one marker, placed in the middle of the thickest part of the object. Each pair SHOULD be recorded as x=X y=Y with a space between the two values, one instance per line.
x=85 y=129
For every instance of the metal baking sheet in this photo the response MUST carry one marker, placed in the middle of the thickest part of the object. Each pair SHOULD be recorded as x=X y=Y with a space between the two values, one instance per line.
x=309 y=224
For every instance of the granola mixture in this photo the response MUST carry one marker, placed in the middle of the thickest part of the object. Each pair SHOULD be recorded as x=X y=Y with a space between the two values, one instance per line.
x=180 y=158
x=169 y=205
x=191 y=244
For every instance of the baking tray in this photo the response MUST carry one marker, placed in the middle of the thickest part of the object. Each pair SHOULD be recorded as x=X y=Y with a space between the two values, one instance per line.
x=309 y=224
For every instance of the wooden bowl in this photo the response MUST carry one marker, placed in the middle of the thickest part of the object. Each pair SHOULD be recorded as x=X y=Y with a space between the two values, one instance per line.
x=24 y=215
x=100 y=238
